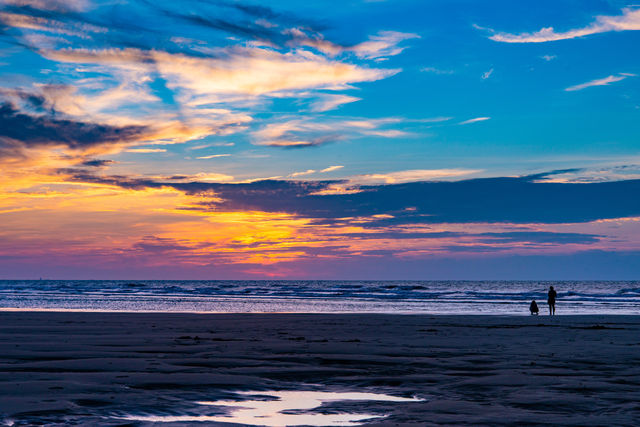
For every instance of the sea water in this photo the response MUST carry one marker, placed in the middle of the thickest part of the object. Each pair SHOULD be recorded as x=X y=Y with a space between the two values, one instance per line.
x=339 y=296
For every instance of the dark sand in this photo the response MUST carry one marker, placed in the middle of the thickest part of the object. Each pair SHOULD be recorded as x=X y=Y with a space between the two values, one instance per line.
x=88 y=368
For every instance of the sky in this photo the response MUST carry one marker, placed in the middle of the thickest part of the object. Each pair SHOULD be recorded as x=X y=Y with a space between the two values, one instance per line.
x=399 y=139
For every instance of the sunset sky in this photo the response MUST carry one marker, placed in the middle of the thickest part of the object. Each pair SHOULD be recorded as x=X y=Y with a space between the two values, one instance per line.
x=406 y=139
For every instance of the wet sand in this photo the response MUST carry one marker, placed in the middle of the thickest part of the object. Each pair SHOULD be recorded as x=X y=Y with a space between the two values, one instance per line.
x=95 y=368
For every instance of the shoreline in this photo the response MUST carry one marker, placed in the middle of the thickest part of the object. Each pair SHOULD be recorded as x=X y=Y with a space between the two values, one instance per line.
x=329 y=313
x=97 y=367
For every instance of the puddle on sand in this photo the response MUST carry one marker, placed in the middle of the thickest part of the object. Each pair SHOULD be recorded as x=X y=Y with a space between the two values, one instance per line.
x=272 y=412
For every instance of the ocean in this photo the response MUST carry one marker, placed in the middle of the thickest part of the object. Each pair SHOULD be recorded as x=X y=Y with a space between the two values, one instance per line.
x=239 y=296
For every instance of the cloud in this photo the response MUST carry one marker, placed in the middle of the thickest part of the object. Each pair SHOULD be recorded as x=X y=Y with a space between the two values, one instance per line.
x=473 y=240
x=146 y=150
x=435 y=70
x=433 y=120
x=331 y=102
x=298 y=133
x=53 y=5
x=387 y=133
x=477 y=119
x=628 y=21
x=213 y=156
x=97 y=163
x=487 y=74
x=600 y=82
x=331 y=169
x=307 y=172
x=592 y=175
x=234 y=71
x=519 y=200
x=409 y=176
x=549 y=57
x=383 y=44
x=27 y=22
x=158 y=245
x=21 y=132
x=126 y=74
x=62 y=101
x=213 y=144
x=378 y=47
x=539 y=237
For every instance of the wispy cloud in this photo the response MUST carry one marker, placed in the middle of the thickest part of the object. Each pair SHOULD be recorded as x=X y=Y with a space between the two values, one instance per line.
x=213 y=156
x=331 y=169
x=591 y=175
x=303 y=173
x=383 y=44
x=297 y=133
x=213 y=144
x=331 y=102
x=145 y=150
x=378 y=47
x=52 y=5
x=434 y=120
x=477 y=119
x=414 y=175
x=628 y=21
x=435 y=70
x=600 y=82
x=387 y=133
x=549 y=57
x=239 y=70
x=487 y=74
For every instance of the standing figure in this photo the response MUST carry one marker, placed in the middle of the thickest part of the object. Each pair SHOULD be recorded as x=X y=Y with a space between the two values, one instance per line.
x=551 y=299
x=533 y=308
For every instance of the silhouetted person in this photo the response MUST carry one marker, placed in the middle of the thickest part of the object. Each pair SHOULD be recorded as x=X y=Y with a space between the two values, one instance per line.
x=533 y=308
x=551 y=299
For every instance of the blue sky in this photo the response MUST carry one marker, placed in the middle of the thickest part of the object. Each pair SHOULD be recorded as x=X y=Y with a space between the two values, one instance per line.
x=348 y=106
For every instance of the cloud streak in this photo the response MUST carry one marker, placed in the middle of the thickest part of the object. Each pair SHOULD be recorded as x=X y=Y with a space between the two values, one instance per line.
x=629 y=20
x=301 y=132
x=146 y=150
x=331 y=102
x=213 y=156
x=475 y=120
x=600 y=82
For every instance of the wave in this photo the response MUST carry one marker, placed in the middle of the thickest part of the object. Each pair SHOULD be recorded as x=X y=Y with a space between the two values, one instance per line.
x=450 y=296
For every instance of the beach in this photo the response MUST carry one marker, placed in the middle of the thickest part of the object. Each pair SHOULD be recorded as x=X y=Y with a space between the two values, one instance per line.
x=94 y=368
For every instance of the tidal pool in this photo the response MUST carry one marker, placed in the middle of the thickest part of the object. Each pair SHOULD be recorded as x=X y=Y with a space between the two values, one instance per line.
x=279 y=408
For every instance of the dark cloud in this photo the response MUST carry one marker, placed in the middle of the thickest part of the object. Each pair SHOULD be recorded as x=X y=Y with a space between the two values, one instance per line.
x=97 y=163
x=255 y=10
x=477 y=249
x=404 y=235
x=515 y=200
x=157 y=245
x=35 y=101
x=538 y=237
x=143 y=25
x=535 y=237
x=20 y=130
x=492 y=200
x=291 y=142
x=245 y=29
x=85 y=175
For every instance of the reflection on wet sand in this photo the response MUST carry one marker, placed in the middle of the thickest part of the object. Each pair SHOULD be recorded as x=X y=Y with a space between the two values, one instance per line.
x=279 y=408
